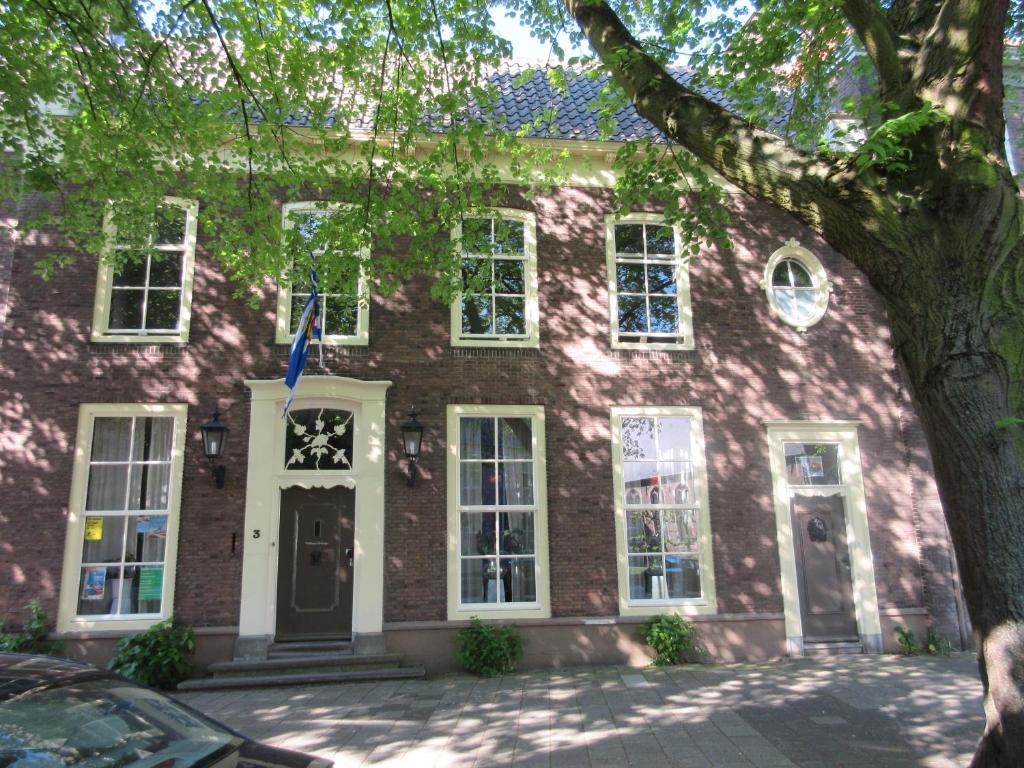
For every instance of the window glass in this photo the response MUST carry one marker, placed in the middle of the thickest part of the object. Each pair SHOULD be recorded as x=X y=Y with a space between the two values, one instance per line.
x=126 y=516
x=317 y=439
x=146 y=293
x=339 y=311
x=497 y=511
x=646 y=285
x=661 y=508
x=493 y=278
x=812 y=464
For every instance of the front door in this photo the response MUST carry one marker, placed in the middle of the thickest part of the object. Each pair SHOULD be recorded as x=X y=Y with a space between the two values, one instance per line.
x=314 y=572
x=823 y=565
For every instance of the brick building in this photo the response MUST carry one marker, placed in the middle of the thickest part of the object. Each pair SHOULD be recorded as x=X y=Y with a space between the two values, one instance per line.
x=610 y=433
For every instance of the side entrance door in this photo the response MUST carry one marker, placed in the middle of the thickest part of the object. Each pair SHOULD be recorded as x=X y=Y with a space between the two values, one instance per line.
x=823 y=566
x=314 y=572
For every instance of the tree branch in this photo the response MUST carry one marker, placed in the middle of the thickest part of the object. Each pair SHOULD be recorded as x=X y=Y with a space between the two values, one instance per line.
x=879 y=39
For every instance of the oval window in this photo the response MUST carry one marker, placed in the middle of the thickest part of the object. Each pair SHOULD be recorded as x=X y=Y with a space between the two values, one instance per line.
x=796 y=285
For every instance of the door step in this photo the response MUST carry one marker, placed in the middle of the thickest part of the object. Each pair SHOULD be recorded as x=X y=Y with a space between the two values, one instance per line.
x=832 y=647
x=308 y=678
x=305 y=647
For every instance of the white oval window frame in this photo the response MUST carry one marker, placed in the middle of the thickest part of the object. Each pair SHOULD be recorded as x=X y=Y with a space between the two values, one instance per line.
x=819 y=281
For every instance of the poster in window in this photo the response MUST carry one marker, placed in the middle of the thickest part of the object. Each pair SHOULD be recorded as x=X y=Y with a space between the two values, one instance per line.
x=815 y=466
x=151 y=583
x=94 y=582
x=94 y=529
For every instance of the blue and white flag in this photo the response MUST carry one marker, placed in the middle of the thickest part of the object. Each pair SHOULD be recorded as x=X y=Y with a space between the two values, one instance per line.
x=309 y=329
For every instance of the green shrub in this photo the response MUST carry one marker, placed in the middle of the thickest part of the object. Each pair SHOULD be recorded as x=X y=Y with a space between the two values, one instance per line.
x=488 y=649
x=34 y=637
x=935 y=644
x=674 y=639
x=161 y=656
x=907 y=641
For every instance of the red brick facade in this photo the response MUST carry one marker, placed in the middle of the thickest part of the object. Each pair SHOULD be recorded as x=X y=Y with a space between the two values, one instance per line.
x=747 y=366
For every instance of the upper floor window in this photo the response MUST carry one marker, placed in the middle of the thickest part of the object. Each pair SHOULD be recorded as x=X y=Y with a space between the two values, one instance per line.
x=648 y=284
x=344 y=313
x=797 y=286
x=498 y=302
x=149 y=297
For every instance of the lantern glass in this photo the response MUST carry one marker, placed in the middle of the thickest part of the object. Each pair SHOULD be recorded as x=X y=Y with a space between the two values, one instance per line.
x=412 y=435
x=214 y=435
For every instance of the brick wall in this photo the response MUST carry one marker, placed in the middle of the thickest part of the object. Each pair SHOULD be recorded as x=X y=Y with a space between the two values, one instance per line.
x=747 y=366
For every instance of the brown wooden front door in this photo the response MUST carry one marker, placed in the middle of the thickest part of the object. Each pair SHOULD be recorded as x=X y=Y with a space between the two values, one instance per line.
x=823 y=564
x=314 y=573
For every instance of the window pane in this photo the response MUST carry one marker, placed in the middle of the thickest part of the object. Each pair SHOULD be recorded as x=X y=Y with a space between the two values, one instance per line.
x=800 y=276
x=672 y=474
x=508 y=276
x=517 y=536
x=661 y=279
x=647 y=578
x=104 y=539
x=518 y=580
x=477 y=438
x=149 y=486
x=660 y=241
x=298 y=305
x=515 y=438
x=632 y=314
x=162 y=309
x=674 y=439
x=476 y=276
x=805 y=303
x=476 y=314
x=147 y=538
x=780 y=275
x=133 y=273
x=170 y=224
x=680 y=530
x=318 y=438
x=509 y=237
x=509 y=316
x=153 y=438
x=664 y=314
x=108 y=485
x=341 y=316
x=476 y=235
x=134 y=591
x=638 y=439
x=640 y=478
x=629 y=238
x=643 y=531
x=630 y=278
x=682 y=577
x=477 y=533
x=99 y=590
x=165 y=269
x=477 y=483
x=812 y=464
x=516 y=483
x=786 y=299
x=111 y=438
x=125 y=309
x=479 y=580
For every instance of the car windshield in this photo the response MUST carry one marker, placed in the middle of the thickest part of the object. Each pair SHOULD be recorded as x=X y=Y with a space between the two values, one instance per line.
x=104 y=724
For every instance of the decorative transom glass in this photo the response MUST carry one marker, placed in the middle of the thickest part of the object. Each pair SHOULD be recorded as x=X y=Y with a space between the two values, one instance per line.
x=794 y=291
x=497 y=511
x=661 y=508
x=318 y=438
x=146 y=292
x=645 y=281
x=339 y=311
x=812 y=464
x=126 y=512
x=493 y=278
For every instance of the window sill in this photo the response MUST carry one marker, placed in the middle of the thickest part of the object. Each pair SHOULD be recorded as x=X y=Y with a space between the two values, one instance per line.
x=514 y=611
x=530 y=342
x=361 y=340
x=668 y=346
x=113 y=625
x=137 y=338
x=693 y=607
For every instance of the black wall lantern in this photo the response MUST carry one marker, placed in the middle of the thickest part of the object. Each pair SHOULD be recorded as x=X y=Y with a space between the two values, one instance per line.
x=412 y=439
x=214 y=436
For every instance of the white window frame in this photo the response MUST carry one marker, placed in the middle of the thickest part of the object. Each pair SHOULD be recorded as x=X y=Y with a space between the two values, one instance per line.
x=792 y=250
x=283 y=334
x=105 y=284
x=541 y=609
x=707 y=603
x=68 y=619
x=683 y=338
x=531 y=339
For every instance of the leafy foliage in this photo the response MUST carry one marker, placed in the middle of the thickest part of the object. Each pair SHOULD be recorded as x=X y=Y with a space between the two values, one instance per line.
x=886 y=146
x=160 y=657
x=33 y=636
x=673 y=638
x=936 y=645
x=488 y=650
x=906 y=640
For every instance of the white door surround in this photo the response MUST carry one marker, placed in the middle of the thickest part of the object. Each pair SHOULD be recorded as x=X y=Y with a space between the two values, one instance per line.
x=266 y=476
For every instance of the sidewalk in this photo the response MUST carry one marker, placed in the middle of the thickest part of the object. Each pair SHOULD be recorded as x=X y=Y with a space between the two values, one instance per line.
x=854 y=712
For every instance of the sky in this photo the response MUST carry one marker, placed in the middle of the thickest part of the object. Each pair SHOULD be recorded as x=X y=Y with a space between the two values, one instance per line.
x=523 y=45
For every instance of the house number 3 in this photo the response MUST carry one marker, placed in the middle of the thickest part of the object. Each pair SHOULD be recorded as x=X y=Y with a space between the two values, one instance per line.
x=256 y=533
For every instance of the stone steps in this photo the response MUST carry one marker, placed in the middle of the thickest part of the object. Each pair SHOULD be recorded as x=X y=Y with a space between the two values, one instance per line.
x=307 y=647
x=830 y=647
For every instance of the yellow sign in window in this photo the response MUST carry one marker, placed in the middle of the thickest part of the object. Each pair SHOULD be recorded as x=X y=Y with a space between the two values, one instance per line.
x=93 y=528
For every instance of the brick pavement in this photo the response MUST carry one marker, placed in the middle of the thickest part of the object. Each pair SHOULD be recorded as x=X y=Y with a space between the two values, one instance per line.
x=852 y=712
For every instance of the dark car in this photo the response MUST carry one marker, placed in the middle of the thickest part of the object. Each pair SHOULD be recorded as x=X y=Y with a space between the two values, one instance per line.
x=56 y=713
